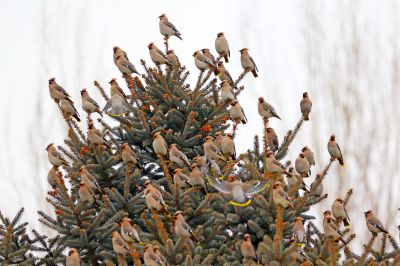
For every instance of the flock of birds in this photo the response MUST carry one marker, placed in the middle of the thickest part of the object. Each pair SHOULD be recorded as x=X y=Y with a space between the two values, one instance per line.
x=217 y=150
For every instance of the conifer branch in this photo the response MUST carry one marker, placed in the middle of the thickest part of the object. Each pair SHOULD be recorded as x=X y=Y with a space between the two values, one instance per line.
x=332 y=252
x=283 y=149
x=367 y=249
x=101 y=90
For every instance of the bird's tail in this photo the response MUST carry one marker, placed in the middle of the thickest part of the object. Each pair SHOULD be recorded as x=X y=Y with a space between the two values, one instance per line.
x=226 y=58
x=341 y=161
x=234 y=203
x=76 y=116
x=254 y=73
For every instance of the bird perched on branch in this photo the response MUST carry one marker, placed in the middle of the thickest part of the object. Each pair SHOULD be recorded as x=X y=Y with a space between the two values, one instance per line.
x=57 y=93
x=52 y=176
x=157 y=56
x=272 y=139
x=294 y=180
x=85 y=193
x=128 y=155
x=68 y=109
x=160 y=146
x=173 y=58
x=218 y=140
x=309 y=155
x=73 y=258
x=88 y=104
x=334 y=150
x=156 y=249
x=247 y=62
x=96 y=137
x=115 y=88
x=280 y=197
x=182 y=229
x=128 y=232
x=211 y=150
x=298 y=230
x=177 y=156
x=89 y=179
x=330 y=230
x=125 y=66
x=265 y=109
x=272 y=165
x=228 y=146
x=222 y=46
x=120 y=247
x=117 y=104
x=168 y=29
x=305 y=106
x=339 y=212
x=241 y=193
x=181 y=179
x=150 y=257
x=118 y=52
x=196 y=178
x=54 y=156
x=236 y=112
x=247 y=249
x=224 y=73
x=154 y=198
x=374 y=225
x=227 y=94
x=206 y=52
x=203 y=63
x=302 y=165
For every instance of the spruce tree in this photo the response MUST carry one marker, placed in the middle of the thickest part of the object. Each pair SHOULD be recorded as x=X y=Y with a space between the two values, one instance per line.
x=161 y=102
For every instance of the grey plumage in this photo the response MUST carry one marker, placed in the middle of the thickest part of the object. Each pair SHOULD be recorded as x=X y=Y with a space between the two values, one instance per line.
x=247 y=62
x=125 y=66
x=265 y=109
x=168 y=29
x=305 y=106
x=236 y=112
x=272 y=139
x=222 y=46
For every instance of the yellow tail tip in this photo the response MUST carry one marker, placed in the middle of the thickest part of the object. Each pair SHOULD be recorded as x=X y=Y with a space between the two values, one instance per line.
x=240 y=204
x=220 y=177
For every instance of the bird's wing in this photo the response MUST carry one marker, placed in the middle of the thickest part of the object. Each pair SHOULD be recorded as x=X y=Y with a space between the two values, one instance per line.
x=255 y=66
x=250 y=190
x=184 y=178
x=284 y=195
x=205 y=59
x=187 y=227
x=170 y=25
x=268 y=107
x=337 y=145
x=93 y=102
x=376 y=223
x=228 y=75
x=57 y=155
x=122 y=243
x=162 y=54
x=61 y=89
x=278 y=163
x=275 y=141
x=108 y=105
x=221 y=186
x=121 y=91
x=245 y=118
